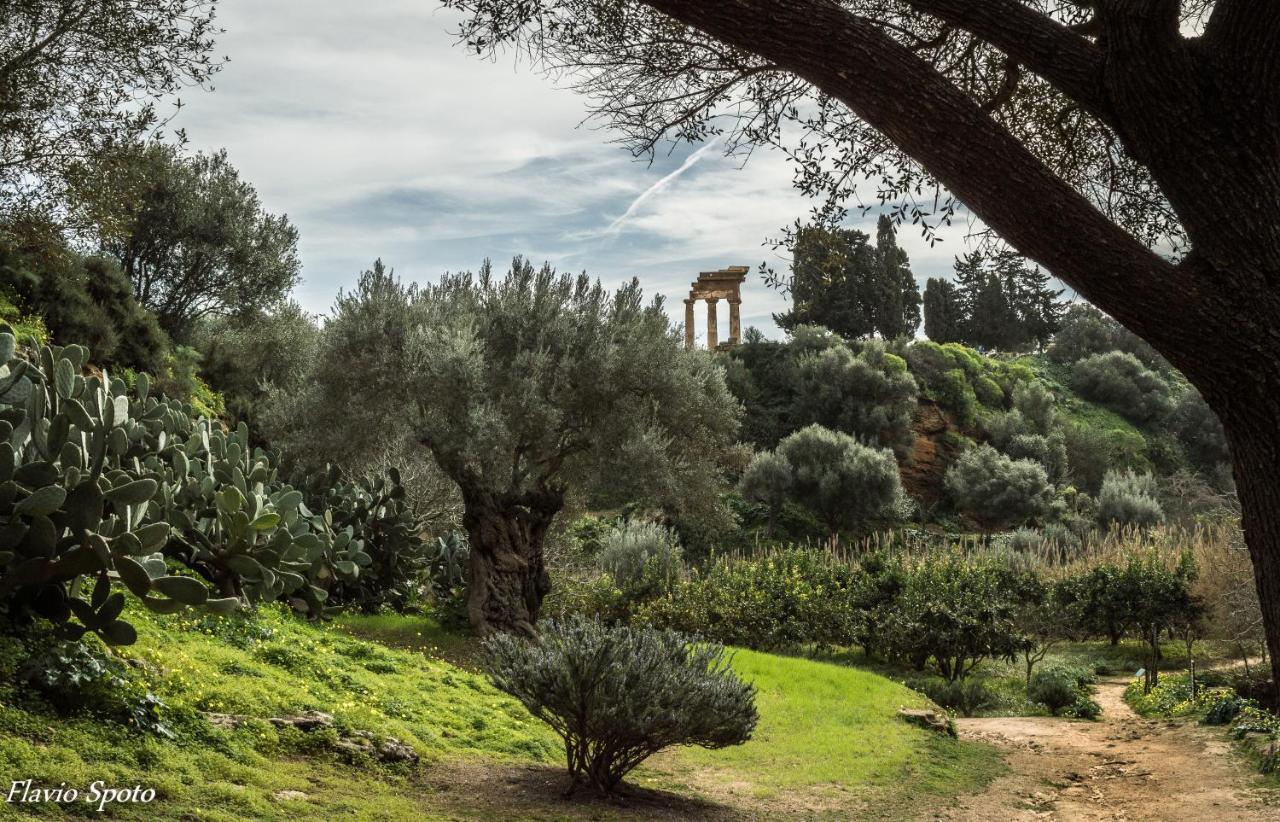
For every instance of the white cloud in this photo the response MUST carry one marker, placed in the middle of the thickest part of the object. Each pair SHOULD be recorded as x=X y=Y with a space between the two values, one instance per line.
x=379 y=136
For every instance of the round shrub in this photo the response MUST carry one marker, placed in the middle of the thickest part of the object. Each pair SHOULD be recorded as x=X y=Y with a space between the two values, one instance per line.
x=870 y=395
x=631 y=545
x=1119 y=381
x=1055 y=688
x=616 y=696
x=1128 y=498
x=994 y=489
x=844 y=482
x=1036 y=405
x=964 y=696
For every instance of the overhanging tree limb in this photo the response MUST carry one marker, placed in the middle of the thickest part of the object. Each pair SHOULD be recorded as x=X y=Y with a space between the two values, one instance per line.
x=1044 y=46
x=849 y=58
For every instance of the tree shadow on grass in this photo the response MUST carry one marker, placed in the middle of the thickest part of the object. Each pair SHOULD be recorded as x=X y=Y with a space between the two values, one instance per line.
x=503 y=791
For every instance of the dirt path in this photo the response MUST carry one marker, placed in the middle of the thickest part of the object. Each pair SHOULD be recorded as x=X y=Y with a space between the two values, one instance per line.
x=1122 y=767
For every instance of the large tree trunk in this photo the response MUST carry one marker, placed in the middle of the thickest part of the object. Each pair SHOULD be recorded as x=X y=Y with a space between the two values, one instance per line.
x=508 y=577
x=1255 y=449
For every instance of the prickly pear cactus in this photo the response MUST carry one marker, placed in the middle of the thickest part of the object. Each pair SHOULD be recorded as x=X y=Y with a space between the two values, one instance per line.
x=379 y=555
x=79 y=490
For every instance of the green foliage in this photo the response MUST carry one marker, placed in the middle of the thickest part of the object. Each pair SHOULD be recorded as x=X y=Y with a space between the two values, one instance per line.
x=178 y=377
x=782 y=601
x=767 y=481
x=943 y=314
x=616 y=696
x=190 y=234
x=634 y=550
x=245 y=357
x=76 y=678
x=1121 y=382
x=1200 y=432
x=842 y=481
x=1128 y=498
x=842 y=282
x=1054 y=687
x=869 y=395
x=78 y=299
x=955 y=612
x=1086 y=331
x=965 y=696
x=995 y=489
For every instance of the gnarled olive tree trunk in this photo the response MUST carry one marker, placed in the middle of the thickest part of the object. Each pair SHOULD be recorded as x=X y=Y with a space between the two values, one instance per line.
x=508 y=577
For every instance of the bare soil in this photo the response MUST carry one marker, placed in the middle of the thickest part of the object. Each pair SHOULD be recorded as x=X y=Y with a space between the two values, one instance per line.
x=1122 y=767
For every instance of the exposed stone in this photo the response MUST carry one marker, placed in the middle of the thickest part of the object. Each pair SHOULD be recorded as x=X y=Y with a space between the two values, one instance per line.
x=929 y=720
x=286 y=795
x=305 y=721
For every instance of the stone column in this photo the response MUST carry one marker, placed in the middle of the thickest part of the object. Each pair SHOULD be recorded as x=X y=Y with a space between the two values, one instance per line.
x=688 y=322
x=735 y=321
x=713 y=335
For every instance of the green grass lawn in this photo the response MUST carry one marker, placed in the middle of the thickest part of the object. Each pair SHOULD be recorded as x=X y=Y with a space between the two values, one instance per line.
x=833 y=731
x=271 y=665
x=826 y=731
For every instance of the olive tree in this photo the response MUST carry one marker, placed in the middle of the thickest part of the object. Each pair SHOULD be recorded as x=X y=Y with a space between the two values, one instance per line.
x=1092 y=136
x=522 y=388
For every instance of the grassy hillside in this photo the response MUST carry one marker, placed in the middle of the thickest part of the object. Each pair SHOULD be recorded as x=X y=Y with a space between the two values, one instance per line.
x=828 y=737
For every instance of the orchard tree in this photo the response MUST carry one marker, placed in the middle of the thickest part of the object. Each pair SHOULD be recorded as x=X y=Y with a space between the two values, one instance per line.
x=522 y=388
x=79 y=75
x=1131 y=147
x=192 y=236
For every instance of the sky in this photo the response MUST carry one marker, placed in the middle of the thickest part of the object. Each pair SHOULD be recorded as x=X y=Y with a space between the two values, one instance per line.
x=380 y=137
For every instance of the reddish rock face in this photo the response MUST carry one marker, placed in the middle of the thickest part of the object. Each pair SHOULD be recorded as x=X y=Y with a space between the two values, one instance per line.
x=922 y=473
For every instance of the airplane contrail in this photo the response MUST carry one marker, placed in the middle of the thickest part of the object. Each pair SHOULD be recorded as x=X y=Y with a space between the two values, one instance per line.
x=661 y=184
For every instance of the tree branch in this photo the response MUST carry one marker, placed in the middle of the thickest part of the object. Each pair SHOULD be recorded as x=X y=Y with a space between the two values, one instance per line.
x=851 y=59
x=1044 y=46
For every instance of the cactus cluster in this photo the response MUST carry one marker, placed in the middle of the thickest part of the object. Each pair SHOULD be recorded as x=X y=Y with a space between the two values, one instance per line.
x=102 y=482
x=385 y=542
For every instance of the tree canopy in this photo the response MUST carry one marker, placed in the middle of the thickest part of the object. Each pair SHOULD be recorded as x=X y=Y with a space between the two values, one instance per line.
x=522 y=387
x=192 y=236
x=77 y=76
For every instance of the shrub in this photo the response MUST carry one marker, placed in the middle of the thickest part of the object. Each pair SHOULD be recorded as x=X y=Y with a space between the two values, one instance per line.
x=842 y=481
x=1128 y=498
x=1055 y=688
x=1055 y=542
x=75 y=678
x=1036 y=405
x=616 y=696
x=988 y=391
x=632 y=545
x=1050 y=452
x=1200 y=432
x=767 y=481
x=1120 y=382
x=1092 y=451
x=870 y=395
x=1086 y=331
x=994 y=489
x=966 y=697
x=778 y=602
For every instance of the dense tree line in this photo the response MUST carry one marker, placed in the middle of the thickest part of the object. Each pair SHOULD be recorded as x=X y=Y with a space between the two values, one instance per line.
x=842 y=282
x=996 y=302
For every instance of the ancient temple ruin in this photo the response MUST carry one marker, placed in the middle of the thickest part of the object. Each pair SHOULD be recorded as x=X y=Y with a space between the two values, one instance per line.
x=714 y=286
